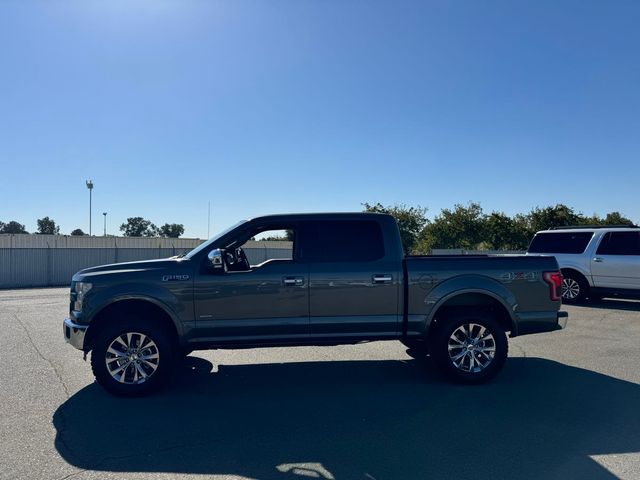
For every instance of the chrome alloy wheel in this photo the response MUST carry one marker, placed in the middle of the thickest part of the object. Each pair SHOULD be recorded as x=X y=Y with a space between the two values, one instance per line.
x=132 y=358
x=570 y=288
x=471 y=348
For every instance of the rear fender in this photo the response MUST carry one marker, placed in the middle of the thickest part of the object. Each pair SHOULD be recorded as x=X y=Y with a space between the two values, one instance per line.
x=465 y=284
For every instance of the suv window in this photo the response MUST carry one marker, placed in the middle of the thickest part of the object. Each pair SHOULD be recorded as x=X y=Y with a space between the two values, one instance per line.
x=561 y=242
x=342 y=241
x=620 y=243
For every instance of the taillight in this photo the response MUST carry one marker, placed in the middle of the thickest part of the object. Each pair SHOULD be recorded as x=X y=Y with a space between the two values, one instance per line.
x=554 y=279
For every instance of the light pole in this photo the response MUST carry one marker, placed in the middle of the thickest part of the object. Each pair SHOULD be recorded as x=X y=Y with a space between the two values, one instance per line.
x=105 y=223
x=90 y=187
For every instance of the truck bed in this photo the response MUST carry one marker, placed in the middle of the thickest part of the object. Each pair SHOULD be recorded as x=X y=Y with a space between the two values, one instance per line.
x=513 y=283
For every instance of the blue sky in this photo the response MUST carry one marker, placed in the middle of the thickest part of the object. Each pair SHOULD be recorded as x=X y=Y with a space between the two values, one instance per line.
x=277 y=106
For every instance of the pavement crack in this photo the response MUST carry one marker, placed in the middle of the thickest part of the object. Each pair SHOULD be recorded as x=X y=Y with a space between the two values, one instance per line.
x=42 y=356
x=71 y=475
x=60 y=440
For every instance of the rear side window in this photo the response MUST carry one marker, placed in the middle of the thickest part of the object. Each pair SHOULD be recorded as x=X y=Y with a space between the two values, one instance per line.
x=342 y=241
x=561 y=242
x=620 y=243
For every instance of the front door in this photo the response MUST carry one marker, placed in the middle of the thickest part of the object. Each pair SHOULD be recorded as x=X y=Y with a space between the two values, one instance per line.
x=268 y=300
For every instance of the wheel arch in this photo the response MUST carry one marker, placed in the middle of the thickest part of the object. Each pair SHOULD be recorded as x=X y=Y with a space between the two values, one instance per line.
x=142 y=306
x=574 y=271
x=462 y=302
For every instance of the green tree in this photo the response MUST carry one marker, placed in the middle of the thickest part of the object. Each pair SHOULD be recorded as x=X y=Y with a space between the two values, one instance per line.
x=550 y=217
x=411 y=221
x=616 y=218
x=502 y=232
x=77 y=232
x=462 y=227
x=47 y=226
x=13 y=227
x=138 y=227
x=173 y=230
x=612 y=218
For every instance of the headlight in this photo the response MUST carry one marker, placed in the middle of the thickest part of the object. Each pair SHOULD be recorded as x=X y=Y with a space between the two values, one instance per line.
x=81 y=290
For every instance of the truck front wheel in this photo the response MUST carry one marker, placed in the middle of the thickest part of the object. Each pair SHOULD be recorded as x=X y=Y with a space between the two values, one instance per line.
x=132 y=357
x=469 y=348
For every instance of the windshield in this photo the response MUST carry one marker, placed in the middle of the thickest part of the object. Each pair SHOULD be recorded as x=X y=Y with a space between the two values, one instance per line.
x=204 y=245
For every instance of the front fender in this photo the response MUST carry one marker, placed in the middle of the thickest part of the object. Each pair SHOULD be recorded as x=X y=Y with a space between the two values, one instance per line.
x=158 y=296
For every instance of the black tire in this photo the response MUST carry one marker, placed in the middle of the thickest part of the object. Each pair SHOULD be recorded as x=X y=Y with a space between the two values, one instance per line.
x=575 y=288
x=157 y=350
x=490 y=341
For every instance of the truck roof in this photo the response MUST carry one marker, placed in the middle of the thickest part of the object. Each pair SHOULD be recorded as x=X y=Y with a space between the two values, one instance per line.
x=590 y=230
x=319 y=216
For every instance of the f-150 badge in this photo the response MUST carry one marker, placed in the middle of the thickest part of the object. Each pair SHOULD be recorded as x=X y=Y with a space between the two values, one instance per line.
x=174 y=278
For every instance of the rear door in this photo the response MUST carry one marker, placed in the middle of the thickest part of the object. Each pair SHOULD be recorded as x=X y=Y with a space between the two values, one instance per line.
x=354 y=281
x=616 y=263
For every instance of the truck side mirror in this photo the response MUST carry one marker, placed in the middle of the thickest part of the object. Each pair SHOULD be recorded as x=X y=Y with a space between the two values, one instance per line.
x=216 y=260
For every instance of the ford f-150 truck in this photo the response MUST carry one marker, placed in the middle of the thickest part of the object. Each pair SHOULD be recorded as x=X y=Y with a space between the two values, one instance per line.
x=342 y=279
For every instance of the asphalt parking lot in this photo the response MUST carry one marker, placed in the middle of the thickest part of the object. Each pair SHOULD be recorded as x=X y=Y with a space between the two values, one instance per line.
x=566 y=406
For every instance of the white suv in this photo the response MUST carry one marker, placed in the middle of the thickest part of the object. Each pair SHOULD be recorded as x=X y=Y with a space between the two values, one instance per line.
x=595 y=262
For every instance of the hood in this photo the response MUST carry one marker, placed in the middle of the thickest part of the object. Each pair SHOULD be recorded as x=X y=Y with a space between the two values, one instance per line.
x=128 y=267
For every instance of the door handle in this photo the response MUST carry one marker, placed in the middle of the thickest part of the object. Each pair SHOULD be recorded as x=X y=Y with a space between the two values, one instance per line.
x=598 y=259
x=292 y=281
x=383 y=278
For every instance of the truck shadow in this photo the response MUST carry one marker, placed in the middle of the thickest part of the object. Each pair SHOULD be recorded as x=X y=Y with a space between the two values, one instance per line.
x=357 y=420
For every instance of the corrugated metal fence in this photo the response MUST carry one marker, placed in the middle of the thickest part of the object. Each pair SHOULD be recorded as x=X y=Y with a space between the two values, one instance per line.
x=38 y=266
x=41 y=267
x=85 y=241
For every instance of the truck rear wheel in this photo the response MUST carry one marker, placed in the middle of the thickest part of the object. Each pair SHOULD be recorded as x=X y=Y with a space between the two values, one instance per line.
x=470 y=348
x=132 y=357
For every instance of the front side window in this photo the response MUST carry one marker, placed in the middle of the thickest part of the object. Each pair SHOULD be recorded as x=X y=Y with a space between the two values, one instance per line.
x=620 y=243
x=561 y=242
x=342 y=241
x=266 y=245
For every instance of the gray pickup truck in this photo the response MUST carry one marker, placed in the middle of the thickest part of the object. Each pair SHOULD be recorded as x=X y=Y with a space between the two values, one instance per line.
x=340 y=278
